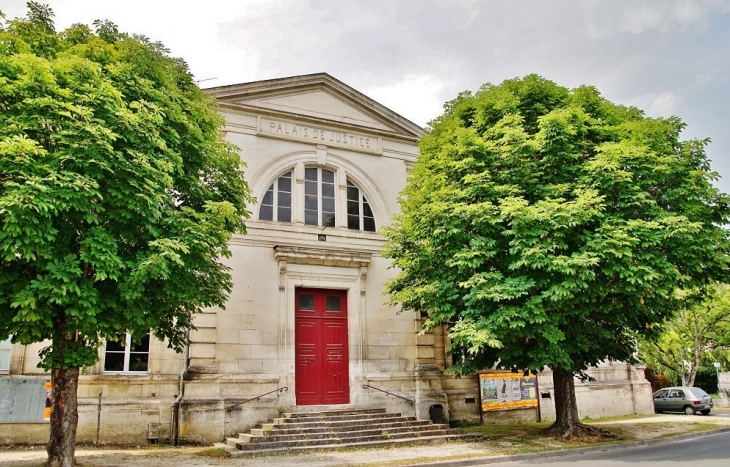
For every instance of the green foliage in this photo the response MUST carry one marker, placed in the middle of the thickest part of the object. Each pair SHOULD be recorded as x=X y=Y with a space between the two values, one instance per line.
x=546 y=227
x=117 y=193
x=695 y=338
x=706 y=379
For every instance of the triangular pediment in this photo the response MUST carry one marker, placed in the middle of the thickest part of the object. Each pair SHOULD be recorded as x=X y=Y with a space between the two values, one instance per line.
x=319 y=97
x=318 y=104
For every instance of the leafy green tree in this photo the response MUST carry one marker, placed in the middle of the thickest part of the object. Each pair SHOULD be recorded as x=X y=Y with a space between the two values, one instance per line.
x=117 y=198
x=546 y=226
x=691 y=339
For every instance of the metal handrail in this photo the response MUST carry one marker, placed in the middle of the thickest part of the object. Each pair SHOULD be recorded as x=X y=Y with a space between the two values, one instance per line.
x=367 y=386
x=282 y=389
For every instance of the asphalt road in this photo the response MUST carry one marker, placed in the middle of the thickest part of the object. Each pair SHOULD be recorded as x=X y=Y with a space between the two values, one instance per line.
x=706 y=451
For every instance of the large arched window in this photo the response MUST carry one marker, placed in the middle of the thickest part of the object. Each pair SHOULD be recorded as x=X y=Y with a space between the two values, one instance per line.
x=321 y=199
x=276 y=205
x=359 y=214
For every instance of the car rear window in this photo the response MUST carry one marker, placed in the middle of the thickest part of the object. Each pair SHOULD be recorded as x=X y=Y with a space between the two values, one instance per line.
x=698 y=392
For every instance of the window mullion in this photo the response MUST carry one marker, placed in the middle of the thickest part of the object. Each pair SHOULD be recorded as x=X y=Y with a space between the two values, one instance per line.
x=360 y=209
x=275 y=201
x=319 y=197
x=127 y=347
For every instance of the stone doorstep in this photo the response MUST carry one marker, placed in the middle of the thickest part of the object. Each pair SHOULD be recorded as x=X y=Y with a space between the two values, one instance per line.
x=413 y=424
x=331 y=413
x=338 y=418
x=266 y=434
x=373 y=417
x=339 y=424
x=354 y=445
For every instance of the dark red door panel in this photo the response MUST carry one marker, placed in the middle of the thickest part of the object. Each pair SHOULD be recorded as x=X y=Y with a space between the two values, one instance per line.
x=306 y=360
x=322 y=364
x=336 y=390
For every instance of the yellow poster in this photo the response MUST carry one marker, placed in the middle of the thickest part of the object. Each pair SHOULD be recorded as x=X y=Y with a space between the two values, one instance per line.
x=504 y=390
x=49 y=401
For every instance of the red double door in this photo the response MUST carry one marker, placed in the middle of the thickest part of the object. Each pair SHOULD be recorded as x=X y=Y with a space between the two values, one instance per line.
x=322 y=375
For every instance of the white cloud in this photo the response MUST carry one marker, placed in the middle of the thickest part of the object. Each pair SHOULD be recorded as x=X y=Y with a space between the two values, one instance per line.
x=399 y=95
x=658 y=105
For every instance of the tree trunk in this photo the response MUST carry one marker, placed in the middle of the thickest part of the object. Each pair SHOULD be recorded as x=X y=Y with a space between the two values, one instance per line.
x=566 y=409
x=64 y=407
x=64 y=418
x=567 y=424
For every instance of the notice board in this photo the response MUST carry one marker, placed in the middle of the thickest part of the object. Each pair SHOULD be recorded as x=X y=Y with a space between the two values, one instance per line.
x=502 y=390
x=24 y=400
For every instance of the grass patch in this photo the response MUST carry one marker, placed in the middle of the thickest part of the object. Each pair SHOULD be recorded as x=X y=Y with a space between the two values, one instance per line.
x=158 y=447
x=519 y=438
x=212 y=452
x=704 y=426
x=620 y=418
x=506 y=430
x=695 y=427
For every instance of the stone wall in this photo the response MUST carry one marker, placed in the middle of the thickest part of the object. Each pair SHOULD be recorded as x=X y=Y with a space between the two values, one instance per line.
x=619 y=389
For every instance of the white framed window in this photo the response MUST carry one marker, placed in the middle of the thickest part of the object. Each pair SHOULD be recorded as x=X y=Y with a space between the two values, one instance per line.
x=359 y=214
x=320 y=201
x=319 y=197
x=126 y=357
x=276 y=204
x=5 y=355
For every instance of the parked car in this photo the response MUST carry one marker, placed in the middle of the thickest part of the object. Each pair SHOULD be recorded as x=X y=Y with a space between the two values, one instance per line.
x=683 y=399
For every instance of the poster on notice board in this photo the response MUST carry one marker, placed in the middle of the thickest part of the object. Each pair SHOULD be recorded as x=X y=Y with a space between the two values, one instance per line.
x=501 y=390
x=49 y=401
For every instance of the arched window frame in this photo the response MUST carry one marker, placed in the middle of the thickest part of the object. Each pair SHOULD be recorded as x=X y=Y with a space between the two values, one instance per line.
x=277 y=201
x=343 y=169
x=359 y=214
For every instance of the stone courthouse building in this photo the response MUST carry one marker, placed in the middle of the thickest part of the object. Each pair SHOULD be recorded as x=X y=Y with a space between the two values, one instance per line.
x=306 y=324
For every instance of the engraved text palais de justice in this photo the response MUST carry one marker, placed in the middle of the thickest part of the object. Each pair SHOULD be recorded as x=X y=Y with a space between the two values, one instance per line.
x=318 y=135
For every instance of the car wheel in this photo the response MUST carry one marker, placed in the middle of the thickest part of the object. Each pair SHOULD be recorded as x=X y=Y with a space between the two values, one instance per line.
x=689 y=410
x=705 y=412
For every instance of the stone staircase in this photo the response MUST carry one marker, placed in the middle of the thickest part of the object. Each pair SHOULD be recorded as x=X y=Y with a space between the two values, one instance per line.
x=337 y=429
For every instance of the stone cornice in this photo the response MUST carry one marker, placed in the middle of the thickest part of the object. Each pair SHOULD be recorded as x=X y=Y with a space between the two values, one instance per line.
x=255 y=110
x=321 y=256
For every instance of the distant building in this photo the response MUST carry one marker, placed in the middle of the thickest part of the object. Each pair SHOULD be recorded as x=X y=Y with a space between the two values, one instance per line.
x=307 y=311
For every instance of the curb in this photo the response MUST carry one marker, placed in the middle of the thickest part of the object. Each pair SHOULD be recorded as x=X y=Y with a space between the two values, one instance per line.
x=476 y=461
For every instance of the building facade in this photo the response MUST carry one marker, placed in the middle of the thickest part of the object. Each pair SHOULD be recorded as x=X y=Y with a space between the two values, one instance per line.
x=307 y=325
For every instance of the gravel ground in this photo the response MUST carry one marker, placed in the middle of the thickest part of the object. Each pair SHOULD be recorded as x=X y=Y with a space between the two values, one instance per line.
x=640 y=428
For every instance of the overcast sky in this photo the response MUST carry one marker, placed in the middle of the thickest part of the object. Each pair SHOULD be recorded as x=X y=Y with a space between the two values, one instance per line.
x=666 y=57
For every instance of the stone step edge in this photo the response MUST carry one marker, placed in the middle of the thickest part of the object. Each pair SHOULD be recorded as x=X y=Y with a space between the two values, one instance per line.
x=330 y=441
x=419 y=428
x=262 y=441
x=269 y=430
x=333 y=413
x=255 y=445
x=344 y=425
x=367 y=444
x=335 y=418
